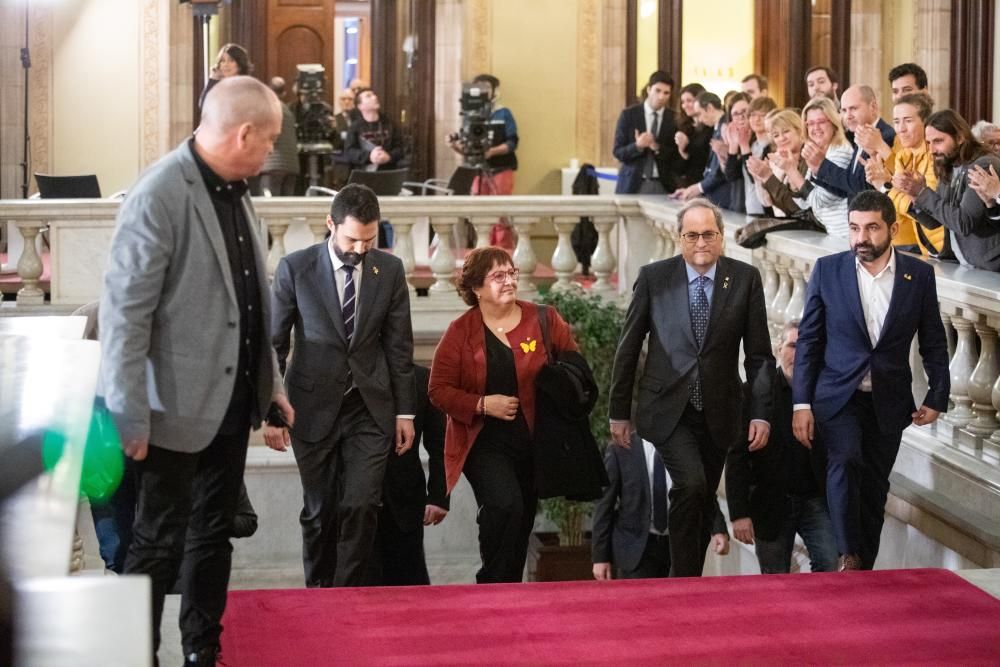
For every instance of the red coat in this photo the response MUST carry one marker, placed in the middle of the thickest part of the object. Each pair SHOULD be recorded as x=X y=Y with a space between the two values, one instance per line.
x=458 y=375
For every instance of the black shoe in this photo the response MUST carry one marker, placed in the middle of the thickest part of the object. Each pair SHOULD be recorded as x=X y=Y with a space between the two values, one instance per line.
x=204 y=657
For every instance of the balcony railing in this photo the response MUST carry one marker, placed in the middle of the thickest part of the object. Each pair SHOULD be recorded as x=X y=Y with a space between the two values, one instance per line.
x=958 y=458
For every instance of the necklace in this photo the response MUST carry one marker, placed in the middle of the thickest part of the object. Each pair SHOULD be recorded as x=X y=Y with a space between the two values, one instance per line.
x=502 y=329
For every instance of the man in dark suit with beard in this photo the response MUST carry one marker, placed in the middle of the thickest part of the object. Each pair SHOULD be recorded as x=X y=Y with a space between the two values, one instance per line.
x=350 y=379
x=852 y=380
x=696 y=310
x=644 y=141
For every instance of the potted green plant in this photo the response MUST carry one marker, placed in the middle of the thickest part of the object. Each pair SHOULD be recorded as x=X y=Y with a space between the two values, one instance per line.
x=597 y=324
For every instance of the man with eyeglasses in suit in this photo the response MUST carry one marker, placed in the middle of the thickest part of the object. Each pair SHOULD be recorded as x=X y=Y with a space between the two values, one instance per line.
x=696 y=310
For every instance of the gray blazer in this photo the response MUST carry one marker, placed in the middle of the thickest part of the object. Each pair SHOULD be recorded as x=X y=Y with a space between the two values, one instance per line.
x=955 y=205
x=168 y=314
x=379 y=358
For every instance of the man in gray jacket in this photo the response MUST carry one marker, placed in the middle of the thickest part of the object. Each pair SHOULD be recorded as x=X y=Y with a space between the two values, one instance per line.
x=972 y=226
x=188 y=367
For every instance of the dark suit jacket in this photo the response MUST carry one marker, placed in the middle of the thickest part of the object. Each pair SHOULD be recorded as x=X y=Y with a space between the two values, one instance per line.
x=623 y=513
x=660 y=308
x=633 y=158
x=380 y=356
x=849 y=181
x=758 y=483
x=406 y=492
x=714 y=185
x=957 y=206
x=834 y=350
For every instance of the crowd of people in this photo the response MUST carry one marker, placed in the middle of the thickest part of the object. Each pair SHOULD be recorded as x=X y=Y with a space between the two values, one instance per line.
x=199 y=348
x=745 y=154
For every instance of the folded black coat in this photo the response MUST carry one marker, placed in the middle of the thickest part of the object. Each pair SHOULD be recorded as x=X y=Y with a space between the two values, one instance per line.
x=567 y=460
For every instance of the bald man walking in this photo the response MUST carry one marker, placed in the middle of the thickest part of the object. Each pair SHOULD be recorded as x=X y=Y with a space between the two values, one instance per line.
x=188 y=367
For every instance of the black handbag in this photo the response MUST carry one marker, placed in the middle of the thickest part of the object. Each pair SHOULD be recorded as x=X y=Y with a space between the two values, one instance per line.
x=752 y=235
x=567 y=460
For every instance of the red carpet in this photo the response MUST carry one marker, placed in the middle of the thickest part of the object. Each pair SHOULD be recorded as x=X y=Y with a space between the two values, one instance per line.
x=929 y=617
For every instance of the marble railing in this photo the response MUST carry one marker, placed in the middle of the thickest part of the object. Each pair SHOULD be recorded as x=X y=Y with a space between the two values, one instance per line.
x=962 y=448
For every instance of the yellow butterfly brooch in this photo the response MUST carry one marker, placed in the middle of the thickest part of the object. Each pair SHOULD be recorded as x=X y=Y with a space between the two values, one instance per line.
x=530 y=346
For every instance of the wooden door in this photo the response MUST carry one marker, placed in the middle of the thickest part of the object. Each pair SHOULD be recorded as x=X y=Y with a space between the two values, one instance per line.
x=299 y=32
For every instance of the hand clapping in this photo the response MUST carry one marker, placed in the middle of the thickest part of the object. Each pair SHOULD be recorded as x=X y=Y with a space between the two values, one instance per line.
x=909 y=182
x=986 y=184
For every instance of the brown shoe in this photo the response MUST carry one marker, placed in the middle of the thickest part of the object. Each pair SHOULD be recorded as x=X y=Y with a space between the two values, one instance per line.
x=849 y=562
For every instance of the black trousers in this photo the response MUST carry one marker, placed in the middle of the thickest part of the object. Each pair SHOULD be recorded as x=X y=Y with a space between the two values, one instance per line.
x=655 y=561
x=504 y=486
x=398 y=556
x=695 y=464
x=342 y=479
x=859 y=459
x=186 y=504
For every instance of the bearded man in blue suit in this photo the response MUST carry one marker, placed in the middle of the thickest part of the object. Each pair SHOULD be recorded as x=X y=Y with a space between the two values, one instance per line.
x=852 y=380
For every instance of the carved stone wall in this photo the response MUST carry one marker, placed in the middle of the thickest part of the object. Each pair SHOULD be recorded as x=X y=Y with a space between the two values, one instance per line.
x=40 y=88
x=932 y=46
x=477 y=47
x=449 y=39
x=588 y=80
x=613 y=59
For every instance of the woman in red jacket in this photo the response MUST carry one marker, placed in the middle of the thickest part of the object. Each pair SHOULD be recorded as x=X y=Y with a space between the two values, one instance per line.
x=483 y=378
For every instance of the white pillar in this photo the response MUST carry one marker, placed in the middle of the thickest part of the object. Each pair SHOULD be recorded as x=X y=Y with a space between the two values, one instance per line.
x=483 y=227
x=277 y=251
x=981 y=382
x=524 y=258
x=797 y=301
x=564 y=259
x=29 y=266
x=961 y=368
x=319 y=230
x=443 y=261
x=776 y=312
x=403 y=249
x=603 y=262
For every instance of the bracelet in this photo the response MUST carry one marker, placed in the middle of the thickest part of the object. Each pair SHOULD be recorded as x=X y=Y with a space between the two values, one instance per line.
x=482 y=405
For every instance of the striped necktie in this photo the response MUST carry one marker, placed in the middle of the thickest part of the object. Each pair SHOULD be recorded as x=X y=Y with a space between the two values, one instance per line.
x=347 y=309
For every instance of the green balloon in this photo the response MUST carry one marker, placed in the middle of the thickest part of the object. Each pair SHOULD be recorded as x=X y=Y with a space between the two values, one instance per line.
x=103 y=460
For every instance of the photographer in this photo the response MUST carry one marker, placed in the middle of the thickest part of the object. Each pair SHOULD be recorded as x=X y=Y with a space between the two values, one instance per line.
x=500 y=158
x=374 y=143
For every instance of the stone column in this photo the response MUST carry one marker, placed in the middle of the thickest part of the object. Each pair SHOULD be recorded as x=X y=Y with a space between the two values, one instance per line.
x=981 y=382
x=524 y=258
x=961 y=369
x=29 y=266
x=277 y=251
x=932 y=46
x=443 y=261
x=564 y=259
x=603 y=260
x=797 y=300
x=403 y=249
x=776 y=312
x=770 y=278
x=483 y=227
x=319 y=230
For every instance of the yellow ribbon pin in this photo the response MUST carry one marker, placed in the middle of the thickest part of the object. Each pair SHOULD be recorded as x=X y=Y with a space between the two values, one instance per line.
x=375 y=270
x=908 y=276
x=530 y=346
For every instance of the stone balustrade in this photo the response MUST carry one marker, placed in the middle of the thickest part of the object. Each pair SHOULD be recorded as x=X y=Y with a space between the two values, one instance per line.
x=632 y=231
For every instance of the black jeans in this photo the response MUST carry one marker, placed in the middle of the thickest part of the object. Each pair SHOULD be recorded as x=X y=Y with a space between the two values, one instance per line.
x=504 y=487
x=186 y=504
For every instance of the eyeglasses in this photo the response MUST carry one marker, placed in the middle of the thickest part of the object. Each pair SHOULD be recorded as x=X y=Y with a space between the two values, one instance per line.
x=739 y=114
x=707 y=237
x=500 y=277
x=818 y=123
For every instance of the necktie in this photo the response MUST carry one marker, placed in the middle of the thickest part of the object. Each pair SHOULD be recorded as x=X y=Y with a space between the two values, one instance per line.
x=650 y=166
x=347 y=308
x=699 y=322
x=659 y=494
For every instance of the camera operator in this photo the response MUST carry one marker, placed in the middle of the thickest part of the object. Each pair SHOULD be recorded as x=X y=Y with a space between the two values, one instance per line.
x=374 y=143
x=501 y=161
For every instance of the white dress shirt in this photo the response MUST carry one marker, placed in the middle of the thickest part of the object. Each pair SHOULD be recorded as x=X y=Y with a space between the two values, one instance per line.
x=876 y=293
x=650 y=463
